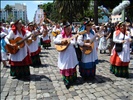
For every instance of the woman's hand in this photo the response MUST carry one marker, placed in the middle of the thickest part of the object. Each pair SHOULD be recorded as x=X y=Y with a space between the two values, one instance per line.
x=123 y=41
x=63 y=42
x=88 y=45
x=130 y=40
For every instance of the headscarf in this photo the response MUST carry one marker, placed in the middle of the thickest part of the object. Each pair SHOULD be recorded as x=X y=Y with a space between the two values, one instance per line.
x=14 y=28
x=64 y=33
x=118 y=28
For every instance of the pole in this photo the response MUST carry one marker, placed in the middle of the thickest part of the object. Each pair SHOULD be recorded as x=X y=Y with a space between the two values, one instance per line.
x=123 y=14
x=96 y=12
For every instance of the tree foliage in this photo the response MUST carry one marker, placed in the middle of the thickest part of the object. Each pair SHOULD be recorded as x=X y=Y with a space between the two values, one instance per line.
x=8 y=8
x=77 y=10
x=71 y=9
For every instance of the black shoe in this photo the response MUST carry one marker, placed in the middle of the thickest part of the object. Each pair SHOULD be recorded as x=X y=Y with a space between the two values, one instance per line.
x=67 y=86
x=104 y=51
x=100 y=51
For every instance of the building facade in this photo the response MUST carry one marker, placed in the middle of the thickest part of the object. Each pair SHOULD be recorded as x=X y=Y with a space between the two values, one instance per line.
x=116 y=18
x=19 y=11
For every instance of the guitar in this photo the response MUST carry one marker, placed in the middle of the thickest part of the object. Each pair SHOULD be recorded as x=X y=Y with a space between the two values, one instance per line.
x=87 y=50
x=61 y=47
x=33 y=38
x=55 y=33
x=16 y=44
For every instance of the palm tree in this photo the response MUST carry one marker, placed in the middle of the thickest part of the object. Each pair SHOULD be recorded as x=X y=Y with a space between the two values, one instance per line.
x=8 y=8
x=69 y=9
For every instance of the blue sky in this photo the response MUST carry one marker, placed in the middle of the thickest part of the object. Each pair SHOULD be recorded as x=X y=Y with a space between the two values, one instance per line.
x=31 y=5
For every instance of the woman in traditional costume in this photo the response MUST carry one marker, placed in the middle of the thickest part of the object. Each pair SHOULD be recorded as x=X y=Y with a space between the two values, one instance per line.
x=33 y=45
x=19 y=61
x=87 y=65
x=67 y=59
x=120 y=60
x=45 y=39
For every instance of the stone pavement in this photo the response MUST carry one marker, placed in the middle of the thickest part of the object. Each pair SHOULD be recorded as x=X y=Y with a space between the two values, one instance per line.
x=46 y=84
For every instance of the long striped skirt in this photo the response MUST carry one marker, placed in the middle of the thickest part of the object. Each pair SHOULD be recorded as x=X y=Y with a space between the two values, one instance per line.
x=118 y=68
x=87 y=73
x=69 y=76
x=88 y=70
x=36 y=61
x=119 y=71
x=20 y=69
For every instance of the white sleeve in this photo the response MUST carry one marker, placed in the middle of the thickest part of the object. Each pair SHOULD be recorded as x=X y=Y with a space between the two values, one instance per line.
x=80 y=40
x=57 y=39
x=9 y=37
x=73 y=41
x=116 y=38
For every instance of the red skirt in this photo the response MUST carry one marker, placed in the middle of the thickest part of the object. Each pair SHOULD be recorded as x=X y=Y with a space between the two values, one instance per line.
x=115 y=60
x=25 y=62
x=36 y=52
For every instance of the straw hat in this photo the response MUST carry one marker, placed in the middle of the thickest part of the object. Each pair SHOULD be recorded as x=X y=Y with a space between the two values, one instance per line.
x=65 y=24
x=18 y=21
x=31 y=24
x=88 y=23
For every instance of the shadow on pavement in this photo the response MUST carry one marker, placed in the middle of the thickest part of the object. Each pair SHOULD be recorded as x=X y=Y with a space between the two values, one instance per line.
x=34 y=77
x=43 y=56
x=130 y=75
x=51 y=48
x=103 y=61
x=98 y=79
x=46 y=65
x=44 y=52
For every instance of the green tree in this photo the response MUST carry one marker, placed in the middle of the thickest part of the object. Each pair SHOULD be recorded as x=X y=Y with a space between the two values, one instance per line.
x=8 y=8
x=3 y=21
x=9 y=18
x=49 y=10
x=71 y=9
x=129 y=12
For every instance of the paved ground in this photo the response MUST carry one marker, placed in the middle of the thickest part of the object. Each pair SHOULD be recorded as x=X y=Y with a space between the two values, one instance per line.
x=46 y=83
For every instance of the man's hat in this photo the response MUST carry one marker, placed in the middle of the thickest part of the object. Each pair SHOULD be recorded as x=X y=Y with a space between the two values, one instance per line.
x=121 y=23
x=11 y=23
x=65 y=23
x=88 y=23
x=31 y=24
x=18 y=21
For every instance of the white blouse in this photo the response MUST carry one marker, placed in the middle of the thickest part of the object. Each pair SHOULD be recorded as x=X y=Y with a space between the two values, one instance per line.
x=22 y=53
x=33 y=47
x=67 y=59
x=125 y=54
x=92 y=57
